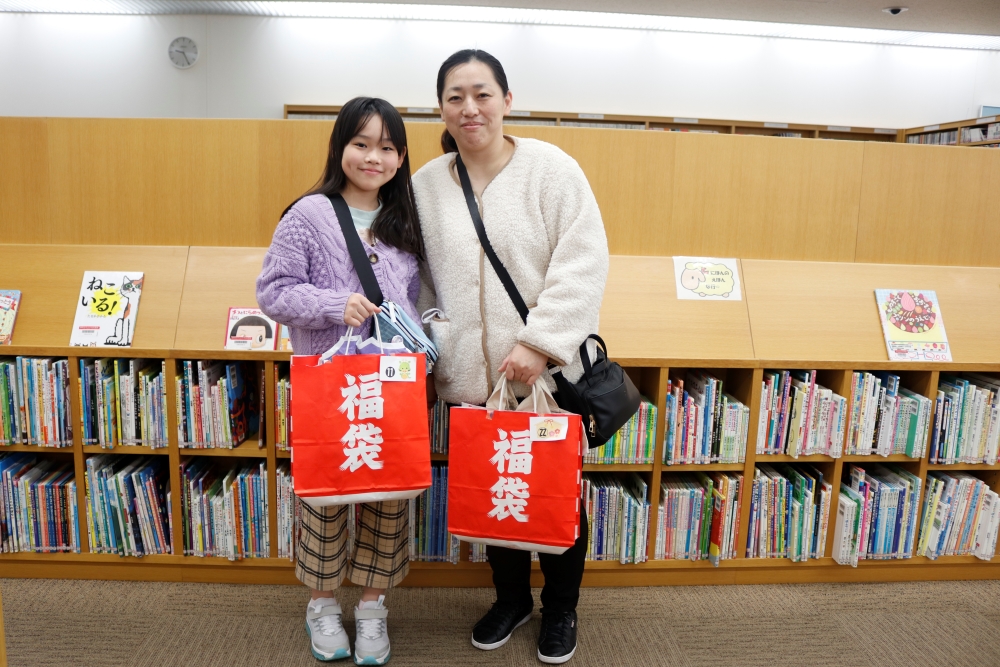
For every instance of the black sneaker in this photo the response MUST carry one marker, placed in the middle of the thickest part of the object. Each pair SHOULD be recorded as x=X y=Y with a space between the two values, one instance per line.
x=495 y=628
x=557 y=640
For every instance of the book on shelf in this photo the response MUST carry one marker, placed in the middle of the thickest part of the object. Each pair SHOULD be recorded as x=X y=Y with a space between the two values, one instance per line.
x=38 y=510
x=218 y=404
x=429 y=539
x=886 y=418
x=883 y=501
x=789 y=513
x=703 y=423
x=633 y=443
x=699 y=517
x=34 y=402
x=912 y=325
x=106 y=309
x=224 y=508
x=249 y=329
x=9 y=302
x=439 y=417
x=618 y=515
x=282 y=408
x=128 y=505
x=945 y=138
x=289 y=514
x=799 y=417
x=961 y=515
x=123 y=402
x=966 y=426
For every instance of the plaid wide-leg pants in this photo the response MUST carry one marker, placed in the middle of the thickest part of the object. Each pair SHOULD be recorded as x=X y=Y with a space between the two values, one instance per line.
x=381 y=553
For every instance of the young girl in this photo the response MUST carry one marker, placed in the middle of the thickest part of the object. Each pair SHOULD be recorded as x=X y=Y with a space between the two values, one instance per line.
x=309 y=284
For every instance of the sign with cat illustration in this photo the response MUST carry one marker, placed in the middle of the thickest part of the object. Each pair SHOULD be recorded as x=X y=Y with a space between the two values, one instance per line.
x=106 y=309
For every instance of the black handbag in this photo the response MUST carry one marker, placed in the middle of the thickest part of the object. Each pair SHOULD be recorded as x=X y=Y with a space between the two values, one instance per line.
x=604 y=396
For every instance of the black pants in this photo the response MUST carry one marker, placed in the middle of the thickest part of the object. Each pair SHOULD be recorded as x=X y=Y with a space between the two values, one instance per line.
x=563 y=573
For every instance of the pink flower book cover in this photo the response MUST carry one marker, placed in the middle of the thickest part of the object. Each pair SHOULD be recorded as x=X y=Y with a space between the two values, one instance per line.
x=912 y=325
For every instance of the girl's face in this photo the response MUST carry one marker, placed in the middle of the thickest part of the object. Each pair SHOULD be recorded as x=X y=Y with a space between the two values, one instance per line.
x=473 y=105
x=370 y=158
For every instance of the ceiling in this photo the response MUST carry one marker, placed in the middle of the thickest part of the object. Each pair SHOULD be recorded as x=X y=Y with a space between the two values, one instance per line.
x=971 y=17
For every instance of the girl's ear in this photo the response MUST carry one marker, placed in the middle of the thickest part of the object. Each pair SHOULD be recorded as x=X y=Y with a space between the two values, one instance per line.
x=508 y=102
x=402 y=156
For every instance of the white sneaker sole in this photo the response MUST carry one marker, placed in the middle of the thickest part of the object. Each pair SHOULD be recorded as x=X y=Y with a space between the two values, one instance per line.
x=548 y=660
x=490 y=647
x=325 y=656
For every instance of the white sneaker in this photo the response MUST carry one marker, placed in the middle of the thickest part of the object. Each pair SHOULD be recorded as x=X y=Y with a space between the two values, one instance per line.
x=371 y=645
x=326 y=632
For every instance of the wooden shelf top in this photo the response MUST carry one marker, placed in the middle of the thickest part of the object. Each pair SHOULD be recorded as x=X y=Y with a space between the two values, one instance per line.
x=49 y=277
x=825 y=311
x=217 y=279
x=667 y=328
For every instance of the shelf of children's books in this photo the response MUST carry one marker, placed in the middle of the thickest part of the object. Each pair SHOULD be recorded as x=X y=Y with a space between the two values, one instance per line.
x=249 y=448
x=787 y=458
x=230 y=355
x=617 y=467
x=36 y=449
x=439 y=457
x=707 y=467
x=980 y=143
x=125 y=449
x=869 y=365
x=963 y=466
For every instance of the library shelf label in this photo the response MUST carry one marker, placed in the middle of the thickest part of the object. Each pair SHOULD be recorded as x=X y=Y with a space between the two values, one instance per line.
x=708 y=278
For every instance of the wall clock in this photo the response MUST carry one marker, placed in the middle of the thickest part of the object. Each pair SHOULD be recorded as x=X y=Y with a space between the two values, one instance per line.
x=183 y=52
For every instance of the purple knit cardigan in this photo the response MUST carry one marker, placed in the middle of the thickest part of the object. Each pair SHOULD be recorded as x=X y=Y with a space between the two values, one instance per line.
x=308 y=276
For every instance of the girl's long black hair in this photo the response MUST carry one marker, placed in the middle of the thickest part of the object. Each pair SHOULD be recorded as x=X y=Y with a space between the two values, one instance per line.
x=397 y=223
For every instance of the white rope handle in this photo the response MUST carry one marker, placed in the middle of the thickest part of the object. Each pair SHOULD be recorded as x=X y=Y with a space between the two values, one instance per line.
x=378 y=335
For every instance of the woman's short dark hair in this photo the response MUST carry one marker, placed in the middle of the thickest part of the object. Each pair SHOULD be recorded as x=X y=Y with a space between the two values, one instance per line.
x=397 y=224
x=462 y=57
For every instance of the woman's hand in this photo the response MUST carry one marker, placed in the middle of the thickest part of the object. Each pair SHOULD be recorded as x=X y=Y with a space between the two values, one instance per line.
x=524 y=364
x=359 y=309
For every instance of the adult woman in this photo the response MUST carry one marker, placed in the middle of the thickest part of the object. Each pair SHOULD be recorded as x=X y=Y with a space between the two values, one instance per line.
x=544 y=224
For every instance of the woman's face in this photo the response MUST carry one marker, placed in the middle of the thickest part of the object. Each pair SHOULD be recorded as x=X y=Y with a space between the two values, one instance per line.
x=370 y=158
x=473 y=105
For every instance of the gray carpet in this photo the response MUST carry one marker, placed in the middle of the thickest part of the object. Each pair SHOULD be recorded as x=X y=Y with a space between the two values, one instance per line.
x=107 y=624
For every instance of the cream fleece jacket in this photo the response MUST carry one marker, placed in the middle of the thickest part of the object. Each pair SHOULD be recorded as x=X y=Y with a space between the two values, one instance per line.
x=543 y=221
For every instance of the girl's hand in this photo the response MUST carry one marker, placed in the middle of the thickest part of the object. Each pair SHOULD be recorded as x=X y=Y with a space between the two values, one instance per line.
x=359 y=309
x=524 y=364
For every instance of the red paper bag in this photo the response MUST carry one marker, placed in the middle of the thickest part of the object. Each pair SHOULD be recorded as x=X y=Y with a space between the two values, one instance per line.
x=514 y=475
x=359 y=428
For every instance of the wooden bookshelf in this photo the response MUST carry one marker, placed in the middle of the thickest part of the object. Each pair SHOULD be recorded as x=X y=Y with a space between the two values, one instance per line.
x=628 y=122
x=794 y=315
x=933 y=133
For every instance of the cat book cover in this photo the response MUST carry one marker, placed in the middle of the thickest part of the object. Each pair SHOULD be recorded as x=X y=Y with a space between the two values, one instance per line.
x=250 y=329
x=9 y=301
x=912 y=325
x=106 y=309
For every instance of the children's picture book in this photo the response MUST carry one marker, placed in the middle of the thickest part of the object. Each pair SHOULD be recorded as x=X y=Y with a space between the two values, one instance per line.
x=106 y=309
x=284 y=339
x=708 y=278
x=250 y=329
x=10 y=299
x=912 y=325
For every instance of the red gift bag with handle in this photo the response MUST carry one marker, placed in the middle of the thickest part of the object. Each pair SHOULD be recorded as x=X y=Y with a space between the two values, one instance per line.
x=359 y=428
x=514 y=473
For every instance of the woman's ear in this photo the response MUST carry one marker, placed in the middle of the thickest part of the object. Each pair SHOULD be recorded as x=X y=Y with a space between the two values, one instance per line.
x=508 y=102
x=402 y=156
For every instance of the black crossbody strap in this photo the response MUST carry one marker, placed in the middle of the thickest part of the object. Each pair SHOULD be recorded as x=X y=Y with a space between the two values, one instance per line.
x=477 y=220
x=362 y=265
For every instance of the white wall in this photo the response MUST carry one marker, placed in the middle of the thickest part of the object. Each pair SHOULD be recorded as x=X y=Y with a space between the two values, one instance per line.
x=75 y=65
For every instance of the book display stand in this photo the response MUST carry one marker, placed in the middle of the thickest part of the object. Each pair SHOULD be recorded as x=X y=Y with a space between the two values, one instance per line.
x=794 y=315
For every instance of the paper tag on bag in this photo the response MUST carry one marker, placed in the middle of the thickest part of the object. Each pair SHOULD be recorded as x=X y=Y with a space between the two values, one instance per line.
x=545 y=429
x=397 y=369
